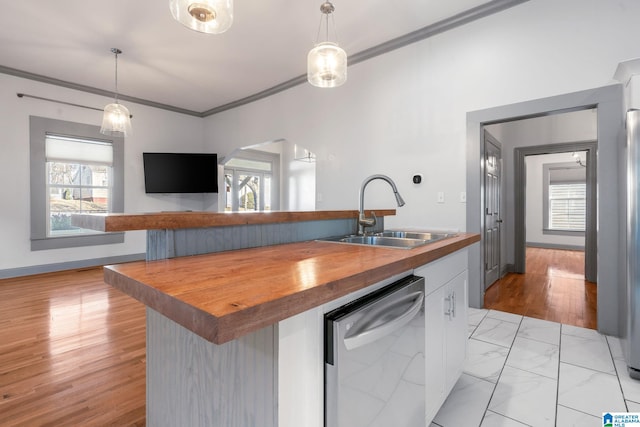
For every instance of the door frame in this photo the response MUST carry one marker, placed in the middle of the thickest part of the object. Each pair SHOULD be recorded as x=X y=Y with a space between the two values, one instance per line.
x=609 y=101
x=591 y=229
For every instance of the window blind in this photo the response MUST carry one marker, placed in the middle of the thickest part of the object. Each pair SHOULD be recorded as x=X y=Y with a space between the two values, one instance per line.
x=567 y=206
x=65 y=149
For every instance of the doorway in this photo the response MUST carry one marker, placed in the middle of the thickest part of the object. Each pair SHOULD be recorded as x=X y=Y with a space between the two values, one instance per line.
x=558 y=201
x=610 y=136
x=551 y=135
x=591 y=204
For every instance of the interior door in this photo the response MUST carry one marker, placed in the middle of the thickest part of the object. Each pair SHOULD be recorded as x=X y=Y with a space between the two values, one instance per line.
x=492 y=219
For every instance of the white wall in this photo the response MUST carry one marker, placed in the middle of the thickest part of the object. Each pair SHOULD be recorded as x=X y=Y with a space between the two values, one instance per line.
x=534 y=202
x=405 y=112
x=299 y=190
x=153 y=130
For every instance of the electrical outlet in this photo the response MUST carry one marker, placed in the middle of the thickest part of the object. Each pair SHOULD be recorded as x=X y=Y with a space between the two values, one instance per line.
x=440 y=197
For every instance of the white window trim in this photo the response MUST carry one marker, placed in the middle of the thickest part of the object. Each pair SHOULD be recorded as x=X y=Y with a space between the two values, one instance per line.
x=38 y=128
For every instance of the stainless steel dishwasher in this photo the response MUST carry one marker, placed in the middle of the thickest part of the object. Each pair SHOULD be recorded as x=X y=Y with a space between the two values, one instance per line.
x=374 y=358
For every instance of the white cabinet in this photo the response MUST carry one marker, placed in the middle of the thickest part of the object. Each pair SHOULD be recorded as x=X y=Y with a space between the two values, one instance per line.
x=456 y=329
x=434 y=353
x=446 y=327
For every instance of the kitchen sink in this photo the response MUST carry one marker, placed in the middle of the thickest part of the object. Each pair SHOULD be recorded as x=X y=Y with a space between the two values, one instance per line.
x=391 y=238
x=422 y=235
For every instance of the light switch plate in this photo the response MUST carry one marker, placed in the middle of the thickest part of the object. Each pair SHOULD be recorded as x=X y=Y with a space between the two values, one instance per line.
x=440 y=197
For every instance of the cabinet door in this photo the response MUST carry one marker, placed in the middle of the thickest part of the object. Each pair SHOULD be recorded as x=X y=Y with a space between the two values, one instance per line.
x=456 y=329
x=434 y=352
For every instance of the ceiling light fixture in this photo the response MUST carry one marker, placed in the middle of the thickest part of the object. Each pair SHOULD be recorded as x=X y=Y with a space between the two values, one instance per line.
x=326 y=62
x=303 y=155
x=205 y=16
x=116 y=120
x=578 y=158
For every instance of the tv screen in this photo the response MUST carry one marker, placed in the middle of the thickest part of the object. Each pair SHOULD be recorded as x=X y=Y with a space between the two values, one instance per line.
x=180 y=172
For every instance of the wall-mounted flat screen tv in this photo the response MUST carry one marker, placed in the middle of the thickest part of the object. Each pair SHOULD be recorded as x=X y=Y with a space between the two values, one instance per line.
x=180 y=172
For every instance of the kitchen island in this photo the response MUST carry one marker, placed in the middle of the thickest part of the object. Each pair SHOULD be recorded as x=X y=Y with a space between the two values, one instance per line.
x=213 y=342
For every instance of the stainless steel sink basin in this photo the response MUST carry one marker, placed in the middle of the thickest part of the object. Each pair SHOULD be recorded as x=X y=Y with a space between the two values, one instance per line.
x=392 y=239
x=422 y=235
x=396 y=242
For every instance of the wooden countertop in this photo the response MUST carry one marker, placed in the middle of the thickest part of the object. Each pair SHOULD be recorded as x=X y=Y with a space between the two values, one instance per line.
x=117 y=222
x=225 y=295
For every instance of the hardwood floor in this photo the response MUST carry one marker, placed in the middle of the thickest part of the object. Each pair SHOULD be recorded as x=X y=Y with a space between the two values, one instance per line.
x=553 y=288
x=72 y=352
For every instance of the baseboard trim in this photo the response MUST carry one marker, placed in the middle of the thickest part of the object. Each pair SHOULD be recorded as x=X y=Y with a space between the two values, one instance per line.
x=70 y=265
x=555 y=246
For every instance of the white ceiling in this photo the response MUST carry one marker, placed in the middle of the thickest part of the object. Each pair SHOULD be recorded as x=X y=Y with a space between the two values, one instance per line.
x=166 y=63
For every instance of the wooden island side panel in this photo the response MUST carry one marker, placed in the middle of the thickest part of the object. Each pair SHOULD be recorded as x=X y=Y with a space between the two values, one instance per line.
x=193 y=382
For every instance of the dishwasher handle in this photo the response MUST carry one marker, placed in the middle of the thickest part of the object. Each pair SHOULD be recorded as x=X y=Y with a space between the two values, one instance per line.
x=369 y=335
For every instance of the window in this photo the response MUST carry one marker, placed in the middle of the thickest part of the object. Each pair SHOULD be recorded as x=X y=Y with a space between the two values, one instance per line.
x=251 y=182
x=564 y=203
x=79 y=180
x=74 y=169
x=567 y=206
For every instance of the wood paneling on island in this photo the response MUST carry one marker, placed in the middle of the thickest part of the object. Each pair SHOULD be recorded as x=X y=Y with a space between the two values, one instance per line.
x=196 y=383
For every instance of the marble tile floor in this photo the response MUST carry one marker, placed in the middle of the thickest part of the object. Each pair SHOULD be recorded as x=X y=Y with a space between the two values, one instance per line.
x=522 y=371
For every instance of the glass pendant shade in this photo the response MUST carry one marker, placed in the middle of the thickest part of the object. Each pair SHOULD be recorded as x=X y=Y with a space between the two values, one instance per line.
x=327 y=65
x=205 y=16
x=116 y=120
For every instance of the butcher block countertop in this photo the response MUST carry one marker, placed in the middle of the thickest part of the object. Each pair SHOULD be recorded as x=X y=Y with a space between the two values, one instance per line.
x=225 y=295
x=118 y=222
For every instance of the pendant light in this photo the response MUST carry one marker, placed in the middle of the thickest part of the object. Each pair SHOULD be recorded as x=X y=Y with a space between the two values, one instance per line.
x=116 y=120
x=205 y=16
x=326 y=62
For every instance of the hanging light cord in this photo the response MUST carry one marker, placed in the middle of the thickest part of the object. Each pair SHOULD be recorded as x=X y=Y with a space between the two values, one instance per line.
x=335 y=28
x=319 y=29
x=326 y=8
x=116 y=51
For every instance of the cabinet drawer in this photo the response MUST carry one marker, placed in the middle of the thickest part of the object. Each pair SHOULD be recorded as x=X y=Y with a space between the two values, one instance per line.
x=441 y=271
